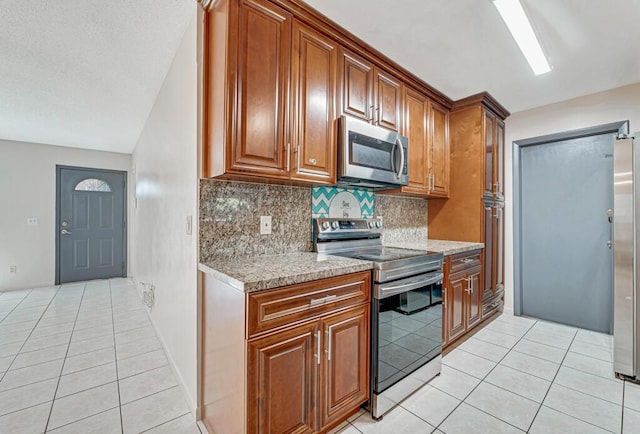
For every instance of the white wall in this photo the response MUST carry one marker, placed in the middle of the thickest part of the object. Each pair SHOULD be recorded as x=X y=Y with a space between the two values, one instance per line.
x=601 y=108
x=28 y=189
x=165 y=167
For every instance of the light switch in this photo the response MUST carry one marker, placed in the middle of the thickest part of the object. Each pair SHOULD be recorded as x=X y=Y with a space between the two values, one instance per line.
x=265 y=225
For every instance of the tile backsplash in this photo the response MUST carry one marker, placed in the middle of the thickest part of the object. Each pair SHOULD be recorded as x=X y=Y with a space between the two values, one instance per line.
x=230 y=216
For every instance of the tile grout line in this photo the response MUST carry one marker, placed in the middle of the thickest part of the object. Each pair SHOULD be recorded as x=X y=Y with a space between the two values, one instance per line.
x=115 y=351
x=170 y=420
x=481 y=381
x=32 y=329
x=65 y=357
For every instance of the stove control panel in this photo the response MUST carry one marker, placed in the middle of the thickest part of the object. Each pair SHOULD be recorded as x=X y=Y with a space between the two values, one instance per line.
x=342 y=227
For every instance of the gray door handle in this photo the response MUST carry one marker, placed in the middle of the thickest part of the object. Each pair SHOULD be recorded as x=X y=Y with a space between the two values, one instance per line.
x=65 y=232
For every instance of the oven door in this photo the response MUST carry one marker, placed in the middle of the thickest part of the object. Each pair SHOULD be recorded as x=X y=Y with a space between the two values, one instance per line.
x=371 y=156
x=406 y=328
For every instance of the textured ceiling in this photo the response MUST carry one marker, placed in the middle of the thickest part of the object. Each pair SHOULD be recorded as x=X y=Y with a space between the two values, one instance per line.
x=85 y=73
x=462 y=47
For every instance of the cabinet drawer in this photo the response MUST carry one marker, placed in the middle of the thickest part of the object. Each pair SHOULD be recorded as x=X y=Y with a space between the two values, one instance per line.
x=271 y=309
x=493 y=303
x=463 y=261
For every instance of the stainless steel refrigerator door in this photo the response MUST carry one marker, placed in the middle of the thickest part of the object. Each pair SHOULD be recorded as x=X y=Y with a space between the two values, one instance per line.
x=624 y=239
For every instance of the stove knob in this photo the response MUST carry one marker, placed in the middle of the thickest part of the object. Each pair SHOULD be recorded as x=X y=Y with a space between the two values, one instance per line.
x=326 y=225
x=335 y=225
x=372 y=224
x=378 y=224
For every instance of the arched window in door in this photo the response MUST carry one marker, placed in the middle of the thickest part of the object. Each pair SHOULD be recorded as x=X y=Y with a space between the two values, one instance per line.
x=92 y=184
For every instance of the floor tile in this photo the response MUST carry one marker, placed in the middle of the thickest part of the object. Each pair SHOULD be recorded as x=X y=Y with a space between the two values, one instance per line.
x=124 y=325
x=89 y=345
x=589 y=364
x=92 y=333
x=431 y=405
x=561 y=341
x=88 y=360
x=517 y=330
x=86 y=379
x=145 y=384
x=549 y=421
x=27 y=396
x=17 y=327
x=39 y=356
x=542 y=351
x=397 y=421
x=585 y=407
x=513 y=319
x=594 y=385
x=10 y=338
x=592 y=350
x=40 y=343
x=187 y=425
x=630 y=421
x=483 y=349
x=5 y=362
x=594 y=338
x=84 y=404
x=10 y=349
x=466 y=419
x=507 y=406
x=632 y=395
x=32 y=420
x=107 y=422
x=31 y=374
x=468 y=363
x=153 y=410
x=531 y=365
x=135 y=334
x=554 y=328
x=137 y=347
x=519 y=382
x=496 y=338
x=454 y=382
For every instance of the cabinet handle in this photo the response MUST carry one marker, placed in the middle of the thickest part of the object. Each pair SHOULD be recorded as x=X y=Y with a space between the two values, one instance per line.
x=377 y=115
x=466 y=260
x=470 y=285
x=288 y=156
x=433 y=182
x=328 y=350
x=323 y=300
x=372 y=108
x=297 y=157
x=497 y=213
x=318 y=335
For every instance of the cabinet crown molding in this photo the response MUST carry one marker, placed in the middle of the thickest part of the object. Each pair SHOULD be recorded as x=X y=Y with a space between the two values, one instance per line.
x=485 y=99
x=207 y=5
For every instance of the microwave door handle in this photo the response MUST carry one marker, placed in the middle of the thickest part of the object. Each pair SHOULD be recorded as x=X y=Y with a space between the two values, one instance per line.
x=393 y=159
x=399 y=144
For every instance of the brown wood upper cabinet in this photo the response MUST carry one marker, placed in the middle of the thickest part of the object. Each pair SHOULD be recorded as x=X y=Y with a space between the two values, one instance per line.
x=438 y=151
x=494 y=155
x=270 y=90
x=369 y=93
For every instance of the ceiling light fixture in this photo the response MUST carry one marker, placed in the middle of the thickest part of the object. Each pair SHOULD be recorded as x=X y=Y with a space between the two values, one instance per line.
x=521 y=30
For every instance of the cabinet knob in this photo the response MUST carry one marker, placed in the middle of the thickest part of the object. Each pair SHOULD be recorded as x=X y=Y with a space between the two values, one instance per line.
x=313 y=161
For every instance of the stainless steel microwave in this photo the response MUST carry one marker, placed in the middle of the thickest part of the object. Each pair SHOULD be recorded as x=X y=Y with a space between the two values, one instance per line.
x=371 y=156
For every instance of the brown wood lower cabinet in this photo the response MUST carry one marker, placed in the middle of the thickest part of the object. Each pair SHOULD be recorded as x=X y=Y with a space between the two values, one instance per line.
x=463 y=294
x=306 y=355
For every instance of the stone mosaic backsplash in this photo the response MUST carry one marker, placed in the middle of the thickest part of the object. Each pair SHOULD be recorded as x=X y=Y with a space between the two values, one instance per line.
x=230 y=216
x=230 y=219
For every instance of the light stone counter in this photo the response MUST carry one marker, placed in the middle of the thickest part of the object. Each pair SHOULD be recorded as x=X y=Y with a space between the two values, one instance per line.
x=443 y=246
x=256 y=273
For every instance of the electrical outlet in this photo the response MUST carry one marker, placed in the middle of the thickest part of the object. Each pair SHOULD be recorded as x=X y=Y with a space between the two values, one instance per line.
x=32 y=221
x=13 y=269
x=265 y=225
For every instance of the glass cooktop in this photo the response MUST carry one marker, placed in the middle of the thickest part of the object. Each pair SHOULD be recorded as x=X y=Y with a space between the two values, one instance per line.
x=382 y=254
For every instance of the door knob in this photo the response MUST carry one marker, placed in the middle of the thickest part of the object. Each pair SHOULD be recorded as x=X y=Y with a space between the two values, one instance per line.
x=65 y=232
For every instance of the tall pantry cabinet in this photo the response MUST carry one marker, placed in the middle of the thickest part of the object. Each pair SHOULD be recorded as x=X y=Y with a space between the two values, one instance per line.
x=475 y=210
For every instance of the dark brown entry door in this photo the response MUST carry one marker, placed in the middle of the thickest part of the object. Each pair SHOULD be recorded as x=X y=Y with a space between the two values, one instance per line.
x=90 y=224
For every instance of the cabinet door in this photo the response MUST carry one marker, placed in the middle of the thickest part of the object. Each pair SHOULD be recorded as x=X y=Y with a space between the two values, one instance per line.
x=415 y=128
x=489 y=225
x=282 y=374
x=455 y=317
x=489 y=126
x=314 y=67
x=498 y=246
x=474 y=297
x=356 y=86
x=439 y=150
x=344 y=383
x=499 y=159
x=263 y=55
x=388 y=95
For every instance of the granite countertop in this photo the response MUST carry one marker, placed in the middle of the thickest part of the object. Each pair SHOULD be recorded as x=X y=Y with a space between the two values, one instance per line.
x=444 y=246
x=256 y=273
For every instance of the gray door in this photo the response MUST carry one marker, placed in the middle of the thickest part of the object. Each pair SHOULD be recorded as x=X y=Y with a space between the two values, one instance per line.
x=90 y=224
x=566 y=268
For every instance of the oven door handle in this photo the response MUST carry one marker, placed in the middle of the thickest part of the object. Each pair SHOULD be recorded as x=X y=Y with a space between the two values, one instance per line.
x=393 y=288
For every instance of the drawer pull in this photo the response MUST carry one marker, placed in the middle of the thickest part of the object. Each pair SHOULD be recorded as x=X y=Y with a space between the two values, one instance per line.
x=466 y=260
x=323 y=300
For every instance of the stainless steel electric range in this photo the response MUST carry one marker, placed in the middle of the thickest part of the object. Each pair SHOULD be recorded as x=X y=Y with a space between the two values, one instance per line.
x=406 y=311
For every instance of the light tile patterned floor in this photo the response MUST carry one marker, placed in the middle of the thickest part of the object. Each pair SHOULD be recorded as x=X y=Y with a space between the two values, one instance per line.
x=518 y=375
x=84 y=358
